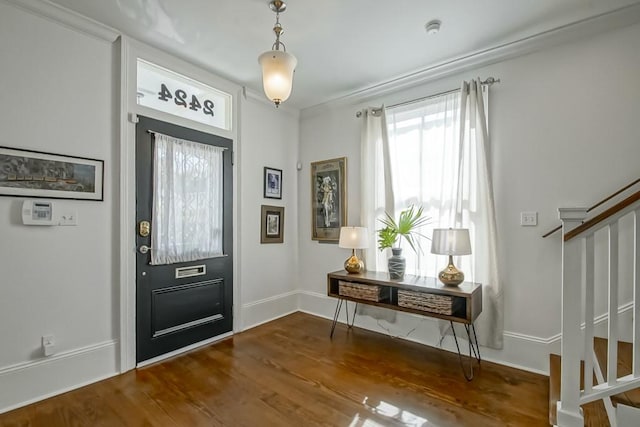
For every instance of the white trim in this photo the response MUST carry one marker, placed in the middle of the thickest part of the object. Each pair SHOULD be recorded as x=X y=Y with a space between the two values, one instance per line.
x=269 y=299
x=249 y=93
x=68 y=18
x=28 y=382
x=530 y=338
x=270 y=319
x=130 y=51
x=618 y=18
x=56 y=357
x=271 y=308
x=521 y=351
x=602 y=318
x=127 y=249
x=183 y=350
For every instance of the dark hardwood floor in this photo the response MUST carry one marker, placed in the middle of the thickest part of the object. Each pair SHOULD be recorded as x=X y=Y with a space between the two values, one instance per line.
x=288 y=373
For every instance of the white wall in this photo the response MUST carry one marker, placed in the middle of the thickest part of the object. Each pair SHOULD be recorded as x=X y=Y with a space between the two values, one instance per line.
x=61 y=93
x=57 y=90
x=268 y=137
x=563 y=126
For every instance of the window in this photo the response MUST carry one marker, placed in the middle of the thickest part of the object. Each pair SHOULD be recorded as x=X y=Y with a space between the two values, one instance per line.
x=430 y=166
x=187 y=201
x=422 y=148
x=433 y=153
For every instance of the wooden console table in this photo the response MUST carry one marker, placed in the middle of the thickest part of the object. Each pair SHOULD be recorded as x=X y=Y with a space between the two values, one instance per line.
x=425 y=296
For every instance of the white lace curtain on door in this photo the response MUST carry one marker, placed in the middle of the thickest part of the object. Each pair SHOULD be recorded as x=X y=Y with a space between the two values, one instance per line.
x=187 y=201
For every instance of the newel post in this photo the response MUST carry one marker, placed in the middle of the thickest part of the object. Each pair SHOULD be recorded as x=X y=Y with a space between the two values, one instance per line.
x=569 y=411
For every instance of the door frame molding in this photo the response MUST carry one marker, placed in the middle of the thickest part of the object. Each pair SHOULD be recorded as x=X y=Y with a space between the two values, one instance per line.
x=129 y=110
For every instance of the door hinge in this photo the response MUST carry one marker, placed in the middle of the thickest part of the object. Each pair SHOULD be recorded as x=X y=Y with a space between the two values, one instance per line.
x=233 y=158
x=133 y=118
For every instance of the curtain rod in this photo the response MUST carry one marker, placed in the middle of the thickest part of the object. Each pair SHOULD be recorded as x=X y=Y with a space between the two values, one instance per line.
x=488 y=82
x=155 y=131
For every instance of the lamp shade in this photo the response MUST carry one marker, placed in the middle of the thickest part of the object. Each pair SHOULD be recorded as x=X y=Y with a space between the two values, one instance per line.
x=451 y=241
x=277 y=74
x=353 y=238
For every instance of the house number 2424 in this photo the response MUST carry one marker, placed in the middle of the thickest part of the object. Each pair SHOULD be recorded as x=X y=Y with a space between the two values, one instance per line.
x=180 y=97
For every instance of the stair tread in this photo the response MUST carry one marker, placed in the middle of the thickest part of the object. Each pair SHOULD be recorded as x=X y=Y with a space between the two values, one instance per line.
x=625 y=367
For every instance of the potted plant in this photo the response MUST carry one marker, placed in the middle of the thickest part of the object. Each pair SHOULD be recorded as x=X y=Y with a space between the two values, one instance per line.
x=405 y=228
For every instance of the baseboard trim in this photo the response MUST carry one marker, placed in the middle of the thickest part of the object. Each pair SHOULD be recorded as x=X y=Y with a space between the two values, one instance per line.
x=262 y=311
x=526 y=352
x=29 y=382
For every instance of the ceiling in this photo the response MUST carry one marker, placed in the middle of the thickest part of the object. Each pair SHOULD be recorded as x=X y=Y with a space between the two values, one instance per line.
x=341 y=46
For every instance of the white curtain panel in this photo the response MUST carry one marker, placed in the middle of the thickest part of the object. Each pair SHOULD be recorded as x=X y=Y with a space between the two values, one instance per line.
x=482 y=217
x=377 y=187
x=187 y=201
x=377 y=195
x=449 y=134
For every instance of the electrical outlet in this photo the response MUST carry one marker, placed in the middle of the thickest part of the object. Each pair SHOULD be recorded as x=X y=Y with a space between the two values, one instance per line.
x=528 y=219
x=48 y=344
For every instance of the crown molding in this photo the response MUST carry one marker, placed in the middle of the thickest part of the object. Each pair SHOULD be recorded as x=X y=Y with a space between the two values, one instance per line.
x=618 y=18
x=249 y=93
x=75 y=21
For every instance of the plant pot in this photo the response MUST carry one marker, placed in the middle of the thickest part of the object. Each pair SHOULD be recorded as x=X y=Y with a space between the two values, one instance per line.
x=396 y=264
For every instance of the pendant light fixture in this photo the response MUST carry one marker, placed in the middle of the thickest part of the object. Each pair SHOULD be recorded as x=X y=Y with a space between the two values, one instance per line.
x=277 y=65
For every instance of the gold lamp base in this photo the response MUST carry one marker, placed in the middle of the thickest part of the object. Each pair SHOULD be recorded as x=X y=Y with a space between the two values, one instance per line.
x=451 y=276
x=353 y=265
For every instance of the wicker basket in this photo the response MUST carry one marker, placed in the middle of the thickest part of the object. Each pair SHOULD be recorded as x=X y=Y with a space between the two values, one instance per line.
x=440 y=304
x=359 y=291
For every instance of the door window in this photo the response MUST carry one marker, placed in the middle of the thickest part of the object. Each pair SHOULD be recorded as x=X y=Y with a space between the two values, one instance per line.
x=187 y=214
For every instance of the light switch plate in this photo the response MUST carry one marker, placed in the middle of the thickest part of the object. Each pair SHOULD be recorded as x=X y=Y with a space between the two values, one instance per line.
x=528 y=219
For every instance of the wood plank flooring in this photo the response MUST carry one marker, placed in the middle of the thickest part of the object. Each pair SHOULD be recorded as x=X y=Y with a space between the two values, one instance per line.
x=289 y=373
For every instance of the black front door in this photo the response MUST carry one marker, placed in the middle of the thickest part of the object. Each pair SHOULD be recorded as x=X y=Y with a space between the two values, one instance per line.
x=181 y=303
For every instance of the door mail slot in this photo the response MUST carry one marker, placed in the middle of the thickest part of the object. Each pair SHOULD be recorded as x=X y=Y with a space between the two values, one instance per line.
x=191 y=271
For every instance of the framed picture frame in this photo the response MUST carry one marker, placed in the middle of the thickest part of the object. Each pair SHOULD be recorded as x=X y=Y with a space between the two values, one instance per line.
x=272 y=183
x=272 y=224
x=27 y=173
x=328 y=199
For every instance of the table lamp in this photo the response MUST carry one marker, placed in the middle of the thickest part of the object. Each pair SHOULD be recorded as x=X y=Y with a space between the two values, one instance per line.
x=451 y=241
x=353 y=238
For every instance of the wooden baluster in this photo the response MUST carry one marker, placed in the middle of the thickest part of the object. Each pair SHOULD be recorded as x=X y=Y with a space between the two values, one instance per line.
x=612 y=358
x=636 y=293
x=589 y=298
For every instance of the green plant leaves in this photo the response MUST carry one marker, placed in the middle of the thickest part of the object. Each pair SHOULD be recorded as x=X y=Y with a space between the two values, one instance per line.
x=408 y=222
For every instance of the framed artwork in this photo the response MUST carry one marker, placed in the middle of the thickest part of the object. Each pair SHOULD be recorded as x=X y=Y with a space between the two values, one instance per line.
x=272 y=224
x=328 y=199
x=27 y=173
x=272 y=183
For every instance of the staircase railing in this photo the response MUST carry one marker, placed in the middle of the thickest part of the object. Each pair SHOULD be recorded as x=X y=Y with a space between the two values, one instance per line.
x=597 y=205
x=578 y=260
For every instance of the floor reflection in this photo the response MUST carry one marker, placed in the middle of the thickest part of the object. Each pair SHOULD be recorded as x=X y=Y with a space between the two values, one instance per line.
x=387 y=410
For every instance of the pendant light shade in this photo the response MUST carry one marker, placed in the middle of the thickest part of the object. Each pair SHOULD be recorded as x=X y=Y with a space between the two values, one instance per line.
x=277 y=74
x=277 y=65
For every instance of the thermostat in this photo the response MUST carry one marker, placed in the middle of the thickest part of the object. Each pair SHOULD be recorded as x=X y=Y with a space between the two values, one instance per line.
x=36 y=212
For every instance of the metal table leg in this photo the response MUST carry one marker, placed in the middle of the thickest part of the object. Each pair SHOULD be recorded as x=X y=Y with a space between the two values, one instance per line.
x=336 y=314
x=473 y=347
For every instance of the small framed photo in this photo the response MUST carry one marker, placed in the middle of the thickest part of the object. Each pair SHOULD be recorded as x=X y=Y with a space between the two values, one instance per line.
x=272 y=183
x=27 y=173
x=328 y=199
x=272 y=227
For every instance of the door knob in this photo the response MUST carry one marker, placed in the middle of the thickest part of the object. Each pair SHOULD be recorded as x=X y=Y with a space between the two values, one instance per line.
x=144 y=249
